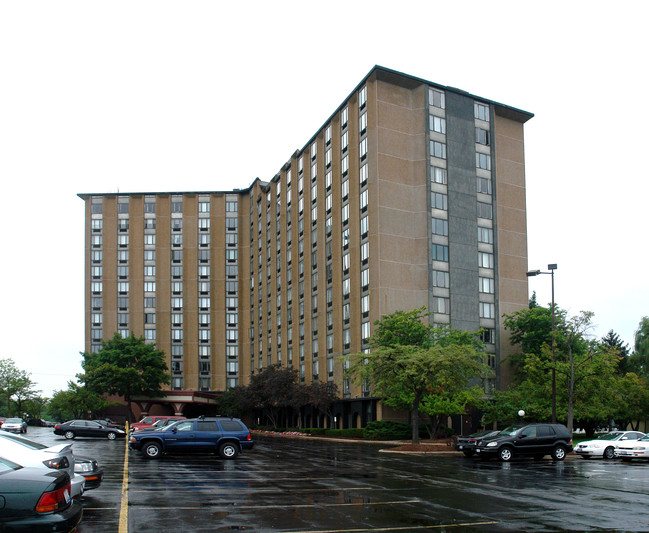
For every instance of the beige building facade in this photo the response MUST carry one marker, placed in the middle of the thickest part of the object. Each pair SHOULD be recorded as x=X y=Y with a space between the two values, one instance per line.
x=411 y=194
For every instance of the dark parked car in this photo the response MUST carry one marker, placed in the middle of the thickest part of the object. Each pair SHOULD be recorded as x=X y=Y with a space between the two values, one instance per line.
x=466 y=443
x=107 y=422
x=36 y=500
x=90 y=470
x=536 y=440
x=227 y=436
x=86 y=428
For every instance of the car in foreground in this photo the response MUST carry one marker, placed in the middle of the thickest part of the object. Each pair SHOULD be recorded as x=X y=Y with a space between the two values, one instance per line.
x=29 y=453
x=633 y=449
x=537 y=440
x=15 y=425
x=87 y=428
x=225 y=436
x=604 y=446
x=467 y=443
x=36 y=500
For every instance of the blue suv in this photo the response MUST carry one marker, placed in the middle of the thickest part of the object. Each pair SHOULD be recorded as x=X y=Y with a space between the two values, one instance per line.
x=226 y=436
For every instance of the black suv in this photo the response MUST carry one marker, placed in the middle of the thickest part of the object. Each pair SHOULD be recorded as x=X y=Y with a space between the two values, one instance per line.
x=227 y=436
x=536 y=440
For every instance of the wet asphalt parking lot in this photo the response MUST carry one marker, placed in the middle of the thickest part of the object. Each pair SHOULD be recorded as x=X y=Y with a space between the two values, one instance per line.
x=301 y=485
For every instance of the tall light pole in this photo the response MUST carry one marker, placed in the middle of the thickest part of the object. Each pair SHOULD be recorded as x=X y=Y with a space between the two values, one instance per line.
x=551 y=267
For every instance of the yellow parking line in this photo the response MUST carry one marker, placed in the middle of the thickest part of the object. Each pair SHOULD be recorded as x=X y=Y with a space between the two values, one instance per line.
x=123 y=510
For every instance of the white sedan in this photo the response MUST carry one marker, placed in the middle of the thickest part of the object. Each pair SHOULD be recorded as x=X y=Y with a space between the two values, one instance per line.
x=29 y=453
x=636 y=449
x=605 y=445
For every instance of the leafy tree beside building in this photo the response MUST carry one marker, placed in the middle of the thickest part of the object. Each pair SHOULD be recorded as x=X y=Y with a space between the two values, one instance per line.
x=127 y=367
x=421 y=368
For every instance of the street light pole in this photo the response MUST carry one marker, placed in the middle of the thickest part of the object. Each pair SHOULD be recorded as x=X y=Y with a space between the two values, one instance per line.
x=551 y=267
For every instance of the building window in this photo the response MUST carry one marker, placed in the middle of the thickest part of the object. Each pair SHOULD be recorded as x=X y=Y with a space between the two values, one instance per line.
x=344 y=115
x=362 y=123
x=363 y=200
x=437 y=98
x=440 y=253
x=365 y=278
x=439 y=201
x=484 y=185
x=344 y=189
x=365 y=252
x=437 y=124
x=486 y=285
x=441 y=305
x=344 y=165
x=485 y=210
x=486 y=235
x=483 y=161
x=345 y=213
x=485 y=260
x=487 y=310
x=481 y=112
x=344 y=141
x=488 y=335
x=438 y=149
x=362 y=97
x=440 y=279
x=363 y=175
x=482 y=136
x=362 y=148
x=440 y=226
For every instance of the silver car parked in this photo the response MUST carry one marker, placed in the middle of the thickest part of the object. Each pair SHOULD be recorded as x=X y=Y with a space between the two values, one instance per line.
x=29 y=453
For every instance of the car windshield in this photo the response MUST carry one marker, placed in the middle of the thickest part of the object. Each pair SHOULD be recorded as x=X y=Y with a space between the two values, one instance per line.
x=14 y=421
x=615 y=435
x=511 y=430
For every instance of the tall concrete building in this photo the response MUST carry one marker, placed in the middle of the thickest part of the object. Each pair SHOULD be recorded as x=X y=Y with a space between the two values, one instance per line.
x=411 y=194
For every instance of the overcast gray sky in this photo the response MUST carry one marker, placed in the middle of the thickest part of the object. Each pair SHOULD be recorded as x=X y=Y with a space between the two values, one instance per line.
x=204 y=95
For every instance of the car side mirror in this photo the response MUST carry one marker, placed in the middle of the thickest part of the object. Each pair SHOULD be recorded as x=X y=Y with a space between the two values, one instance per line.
x=174 y=430
x=624 y=438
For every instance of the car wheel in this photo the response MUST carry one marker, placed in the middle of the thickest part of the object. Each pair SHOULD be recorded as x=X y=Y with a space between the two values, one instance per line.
x=559 y=453
x=152 y=450
x=69 y=434
x=609 y=453
x=111 y=435
x=469 y=453
x=228 y=450
x=505 y=454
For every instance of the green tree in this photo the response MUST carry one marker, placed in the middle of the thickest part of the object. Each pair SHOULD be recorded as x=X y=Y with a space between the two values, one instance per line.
x=613 y=340
x=531 y=329
x=639 y=360
x=272 y=390
x=322 y=395
x=631 y=400
x=15 y=385
x=127 y=367
x=413 y=365
x=75 y=402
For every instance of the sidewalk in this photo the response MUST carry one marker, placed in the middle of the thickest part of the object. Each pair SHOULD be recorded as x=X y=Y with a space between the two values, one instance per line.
x=426 y=447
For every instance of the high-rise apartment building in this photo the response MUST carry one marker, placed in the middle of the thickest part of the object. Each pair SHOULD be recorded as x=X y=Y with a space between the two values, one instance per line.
x=411 y=194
